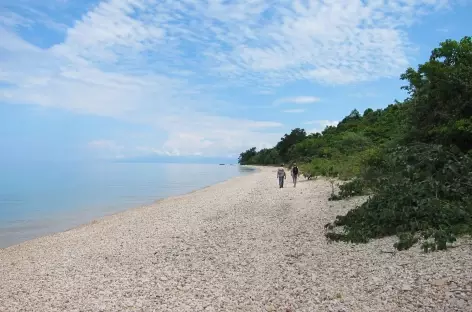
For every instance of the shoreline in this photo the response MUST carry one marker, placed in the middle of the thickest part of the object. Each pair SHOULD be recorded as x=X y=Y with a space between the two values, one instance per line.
x=154 y=202
x=239 y=245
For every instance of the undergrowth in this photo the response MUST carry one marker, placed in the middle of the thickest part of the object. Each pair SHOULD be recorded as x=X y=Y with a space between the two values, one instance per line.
x=355 y=187
x=420 y=192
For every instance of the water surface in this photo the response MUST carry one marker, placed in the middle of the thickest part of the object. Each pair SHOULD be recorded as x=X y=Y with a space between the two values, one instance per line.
x=42 y=198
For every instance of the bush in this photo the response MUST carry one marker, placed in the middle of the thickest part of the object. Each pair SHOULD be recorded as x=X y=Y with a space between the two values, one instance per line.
x=341 y=168
x=355 y=187
x=419 y=189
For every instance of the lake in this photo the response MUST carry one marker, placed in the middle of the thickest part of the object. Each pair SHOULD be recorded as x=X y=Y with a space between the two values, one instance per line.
x=43 y=198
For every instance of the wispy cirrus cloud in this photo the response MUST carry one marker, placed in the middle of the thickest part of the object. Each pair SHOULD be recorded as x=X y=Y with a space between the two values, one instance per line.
x=148 y=61
x=294 y=111
x=298 y=100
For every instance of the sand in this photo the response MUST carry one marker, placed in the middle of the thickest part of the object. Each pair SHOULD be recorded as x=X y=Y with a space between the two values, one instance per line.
x=241 y=245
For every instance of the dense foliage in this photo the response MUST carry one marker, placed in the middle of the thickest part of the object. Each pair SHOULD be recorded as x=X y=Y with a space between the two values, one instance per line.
x=421 y=188
x=441 y=96
x=414 y=157
x=282 y=152
x=339 y=149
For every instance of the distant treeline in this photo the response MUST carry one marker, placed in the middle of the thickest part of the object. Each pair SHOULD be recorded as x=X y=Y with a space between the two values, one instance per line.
x=413 y=157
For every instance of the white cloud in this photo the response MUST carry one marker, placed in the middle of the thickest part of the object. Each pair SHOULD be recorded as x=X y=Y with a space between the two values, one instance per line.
x=320 y=125
x=333 y=42
x=11 y=19
x=212 y=134
x=298 y=100
x=147 y=61
x=31 y=14
x=265 y=92
x=294 y=111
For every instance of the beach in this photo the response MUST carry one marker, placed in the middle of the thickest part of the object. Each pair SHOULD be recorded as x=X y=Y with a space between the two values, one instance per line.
x=240 y=245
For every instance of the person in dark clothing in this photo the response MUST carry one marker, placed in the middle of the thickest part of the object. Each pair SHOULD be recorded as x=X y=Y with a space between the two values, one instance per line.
x=294 y=174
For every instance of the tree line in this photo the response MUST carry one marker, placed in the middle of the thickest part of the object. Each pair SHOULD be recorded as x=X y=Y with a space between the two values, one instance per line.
x=413 y=158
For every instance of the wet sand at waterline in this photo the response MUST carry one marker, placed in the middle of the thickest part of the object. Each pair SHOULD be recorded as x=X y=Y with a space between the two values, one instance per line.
x=240 y=245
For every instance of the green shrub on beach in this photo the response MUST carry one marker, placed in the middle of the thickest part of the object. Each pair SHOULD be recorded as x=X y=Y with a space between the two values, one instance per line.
x=424 y=190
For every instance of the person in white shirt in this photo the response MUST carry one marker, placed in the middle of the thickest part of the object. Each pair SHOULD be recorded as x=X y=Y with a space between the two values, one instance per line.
x=281 y=176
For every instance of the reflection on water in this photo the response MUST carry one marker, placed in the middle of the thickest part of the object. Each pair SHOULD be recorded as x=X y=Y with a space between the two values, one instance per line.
x=38 y=200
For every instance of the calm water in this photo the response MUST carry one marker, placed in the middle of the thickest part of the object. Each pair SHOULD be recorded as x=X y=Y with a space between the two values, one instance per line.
x=44 y=198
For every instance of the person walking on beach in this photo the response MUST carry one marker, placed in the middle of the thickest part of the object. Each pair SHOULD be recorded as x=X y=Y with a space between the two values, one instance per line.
x=294 y=174
x=281 y=176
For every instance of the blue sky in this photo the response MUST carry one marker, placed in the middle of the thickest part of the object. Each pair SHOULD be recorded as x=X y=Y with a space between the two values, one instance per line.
x=132 y=78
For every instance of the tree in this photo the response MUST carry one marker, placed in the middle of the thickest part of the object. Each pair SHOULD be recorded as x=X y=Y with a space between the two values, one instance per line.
x=441 y=96
x=368 y=112
x=245 y=157
x=266 y=156
x=352 y=142
x=354 y=114
x=296 y=135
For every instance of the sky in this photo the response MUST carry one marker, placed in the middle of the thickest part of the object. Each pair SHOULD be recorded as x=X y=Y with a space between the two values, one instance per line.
x=120 y=79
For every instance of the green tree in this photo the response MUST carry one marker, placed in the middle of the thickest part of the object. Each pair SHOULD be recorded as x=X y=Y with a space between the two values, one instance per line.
x=350 y=142
x=441 y=96
x=297 y=135
x=245 y=157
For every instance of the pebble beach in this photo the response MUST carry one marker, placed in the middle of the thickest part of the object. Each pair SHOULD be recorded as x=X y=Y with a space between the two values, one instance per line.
x=241 y=245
